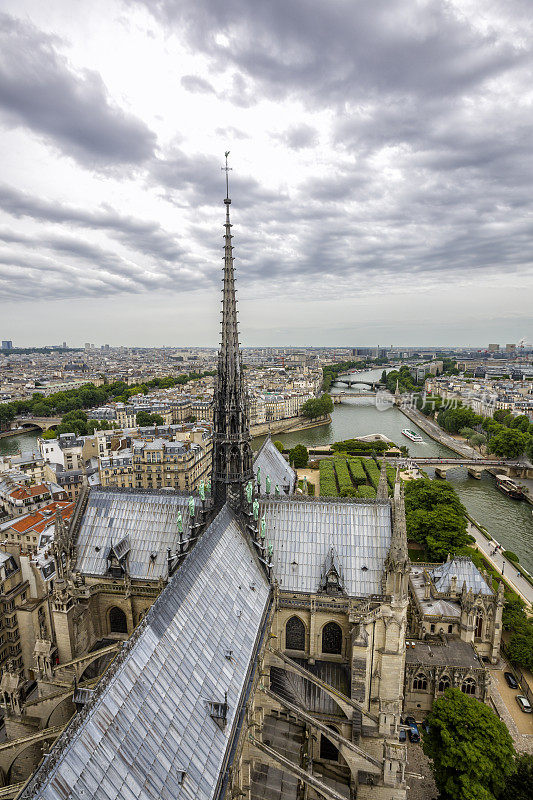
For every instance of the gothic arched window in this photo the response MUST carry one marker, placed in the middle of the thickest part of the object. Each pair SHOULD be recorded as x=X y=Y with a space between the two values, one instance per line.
x=469 y=686
x=295 y=634
x=234 y=461
x=327 y=748
x=420 y=682
x=332 y=638
x=117 y=621
x=444 y=684
x=479 y=625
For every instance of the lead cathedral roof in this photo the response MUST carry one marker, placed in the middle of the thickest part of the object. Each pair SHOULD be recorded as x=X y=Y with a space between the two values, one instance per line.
x=304 y=532
x=148 y=733
x=149 y=519
x=272 y=463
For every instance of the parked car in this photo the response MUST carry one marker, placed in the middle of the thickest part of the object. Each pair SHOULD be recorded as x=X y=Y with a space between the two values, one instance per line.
x=414 y=733
x=511 y=680
x=524 y=703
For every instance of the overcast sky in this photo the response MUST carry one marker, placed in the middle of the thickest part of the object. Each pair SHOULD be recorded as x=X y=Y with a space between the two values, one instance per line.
x=381 y=185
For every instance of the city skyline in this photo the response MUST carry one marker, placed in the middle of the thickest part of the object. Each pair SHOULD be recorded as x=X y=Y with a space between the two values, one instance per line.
x=380 y=172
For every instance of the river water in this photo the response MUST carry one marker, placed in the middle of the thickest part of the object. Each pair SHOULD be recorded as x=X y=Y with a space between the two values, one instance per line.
x=23 y=443
x=509 y=521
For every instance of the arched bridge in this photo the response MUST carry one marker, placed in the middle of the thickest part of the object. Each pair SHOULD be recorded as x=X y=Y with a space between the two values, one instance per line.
x=348 y=381
x=459 y=462
x=34 y=423
x=475 y=466
x=340 y=397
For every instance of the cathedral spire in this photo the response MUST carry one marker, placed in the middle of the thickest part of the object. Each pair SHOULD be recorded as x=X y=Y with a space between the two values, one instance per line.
x=232 y=454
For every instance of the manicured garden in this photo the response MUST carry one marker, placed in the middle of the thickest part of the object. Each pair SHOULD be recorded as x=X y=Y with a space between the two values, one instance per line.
x=346 y=476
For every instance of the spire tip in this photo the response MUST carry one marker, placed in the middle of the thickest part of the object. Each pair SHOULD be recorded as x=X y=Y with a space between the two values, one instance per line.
x=227 y=170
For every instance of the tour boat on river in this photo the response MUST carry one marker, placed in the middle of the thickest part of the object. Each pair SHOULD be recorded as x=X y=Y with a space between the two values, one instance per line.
x=414 y=437
x=509 y=487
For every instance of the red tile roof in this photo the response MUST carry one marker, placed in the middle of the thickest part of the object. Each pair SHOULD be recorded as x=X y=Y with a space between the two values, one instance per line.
x=29 y=491
x=40 y=521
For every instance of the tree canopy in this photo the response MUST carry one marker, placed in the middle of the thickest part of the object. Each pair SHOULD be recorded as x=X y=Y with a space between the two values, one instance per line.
x=509 y=443
x=144 y=419
x=471 y=749
x=436 y=518
x=299 y=456
x=317 y=407
x=520 y=785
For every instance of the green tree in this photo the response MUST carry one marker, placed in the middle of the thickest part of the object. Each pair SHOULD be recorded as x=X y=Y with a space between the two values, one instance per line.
x=7 y=414
x=520 y=648
x=436 y=518
x=509 y=443
x=317 y=407
x=514 y=617
x=466 y=432
x=326 y=403
x=144 y=419
x=520 y=785
x=478 y=440
x=521 y=423
x=41 y=410
x=471 y=749
x=279 y=445
x=76 y=414
x=499 y=415
x=529 y=448
x=299 y=456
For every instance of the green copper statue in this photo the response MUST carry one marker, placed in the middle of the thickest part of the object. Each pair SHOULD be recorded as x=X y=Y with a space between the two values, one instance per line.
x=202 y=490
x=268 y=484
x=256 y=510
x=191 y=506
x=263 y=527
x=208 y=486
x=249 y=491
x=277 y=491
x=180 y=522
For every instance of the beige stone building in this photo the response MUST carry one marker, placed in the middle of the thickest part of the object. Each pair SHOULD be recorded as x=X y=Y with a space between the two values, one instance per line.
x=158 y=464
x=13 y=592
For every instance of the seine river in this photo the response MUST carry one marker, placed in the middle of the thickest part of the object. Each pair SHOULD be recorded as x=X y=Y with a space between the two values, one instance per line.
x=509 y=521
x=25 y=443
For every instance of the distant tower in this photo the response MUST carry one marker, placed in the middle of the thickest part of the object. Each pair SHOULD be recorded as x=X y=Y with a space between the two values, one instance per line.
x=232 y=453
x=397 y=394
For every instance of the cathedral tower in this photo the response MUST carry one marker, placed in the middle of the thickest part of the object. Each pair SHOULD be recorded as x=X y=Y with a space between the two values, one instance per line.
x=232 y=453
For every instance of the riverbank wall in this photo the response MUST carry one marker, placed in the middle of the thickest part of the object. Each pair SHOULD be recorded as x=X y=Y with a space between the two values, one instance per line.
x=17 y=432
x=288 y=425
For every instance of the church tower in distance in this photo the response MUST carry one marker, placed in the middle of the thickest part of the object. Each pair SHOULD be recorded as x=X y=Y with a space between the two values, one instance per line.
x=232 y=453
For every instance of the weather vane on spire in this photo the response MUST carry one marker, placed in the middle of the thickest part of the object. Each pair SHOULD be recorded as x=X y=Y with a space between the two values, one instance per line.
x=227 y=169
